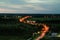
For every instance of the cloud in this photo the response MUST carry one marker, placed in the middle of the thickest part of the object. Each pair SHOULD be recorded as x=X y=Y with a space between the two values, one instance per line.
x=2 y=2
x=34 y=1
x=5 y=10
x=23 y=7
x=28 y=6
x=42 y=1
x=2 y=10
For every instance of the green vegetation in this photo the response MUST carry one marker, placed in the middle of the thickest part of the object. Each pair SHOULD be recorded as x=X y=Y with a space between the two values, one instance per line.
x=24 y=31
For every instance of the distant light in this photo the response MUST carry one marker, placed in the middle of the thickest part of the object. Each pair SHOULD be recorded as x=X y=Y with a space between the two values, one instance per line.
x=38 y=32
x=58 y=35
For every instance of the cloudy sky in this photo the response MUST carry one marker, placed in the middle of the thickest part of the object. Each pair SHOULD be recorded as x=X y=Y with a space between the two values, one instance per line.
x=29 y=6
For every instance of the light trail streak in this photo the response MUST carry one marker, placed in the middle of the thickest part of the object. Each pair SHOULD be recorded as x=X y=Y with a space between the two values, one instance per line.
x=44 y=29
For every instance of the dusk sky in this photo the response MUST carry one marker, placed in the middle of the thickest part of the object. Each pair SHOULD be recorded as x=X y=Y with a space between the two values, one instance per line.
x=29 y=6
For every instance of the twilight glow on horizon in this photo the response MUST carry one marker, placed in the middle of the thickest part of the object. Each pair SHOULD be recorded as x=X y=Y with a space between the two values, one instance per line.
x=30 y=6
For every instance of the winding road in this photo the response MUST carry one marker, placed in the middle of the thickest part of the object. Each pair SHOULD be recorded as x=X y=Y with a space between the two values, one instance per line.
x=44 y=29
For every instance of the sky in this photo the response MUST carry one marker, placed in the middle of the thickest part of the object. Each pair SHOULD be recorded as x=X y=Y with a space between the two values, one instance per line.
x=30 y=6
